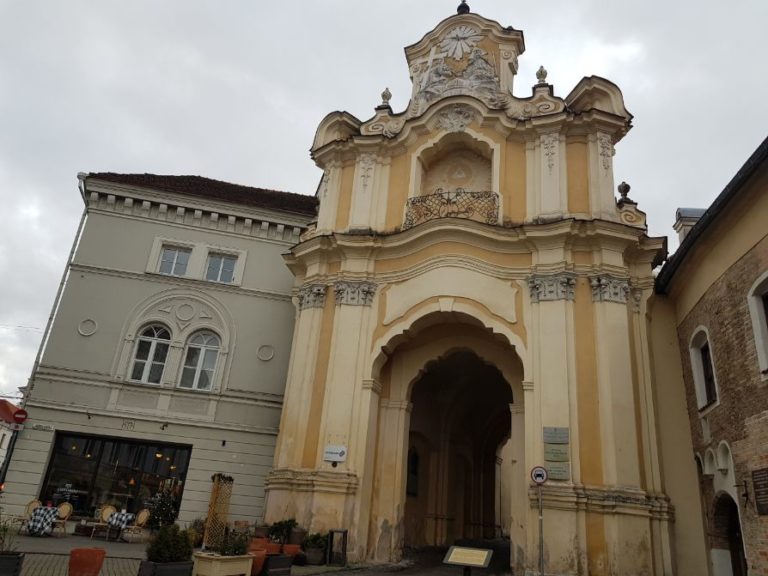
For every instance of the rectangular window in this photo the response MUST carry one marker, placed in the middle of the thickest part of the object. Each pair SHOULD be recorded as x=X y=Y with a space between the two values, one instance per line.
x=221 y=268
x=174 y=260
x=709 y=376
x=89 y=471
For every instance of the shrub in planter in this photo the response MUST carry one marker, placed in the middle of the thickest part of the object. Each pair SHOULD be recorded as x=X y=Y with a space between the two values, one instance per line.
x=196 y=532
x=164 y=510
x=280 y=531
x=231 y=559
x=168 y=554
x=315 y=546
x=10 y=559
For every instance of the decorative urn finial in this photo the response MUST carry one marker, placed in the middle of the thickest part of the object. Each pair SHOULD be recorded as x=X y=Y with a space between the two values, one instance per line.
x=463 y=7
x=624 y=189
x=386 y=96
x=541 y=75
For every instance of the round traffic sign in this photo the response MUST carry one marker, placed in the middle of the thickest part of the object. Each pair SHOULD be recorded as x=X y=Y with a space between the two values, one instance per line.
x=539 y=474
x=20 y=416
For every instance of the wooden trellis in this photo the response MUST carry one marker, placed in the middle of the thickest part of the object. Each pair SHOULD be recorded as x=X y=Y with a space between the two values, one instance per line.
x=218 y=511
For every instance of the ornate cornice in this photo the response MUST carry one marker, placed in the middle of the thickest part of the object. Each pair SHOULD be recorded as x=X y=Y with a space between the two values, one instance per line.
x=548 y=287
x=609 y=289
x=354 y=293
x=311 y=481
x=604 y=500
x=312 y=296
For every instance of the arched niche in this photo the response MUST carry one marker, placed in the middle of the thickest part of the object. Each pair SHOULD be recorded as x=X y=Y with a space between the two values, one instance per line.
x=456 y=162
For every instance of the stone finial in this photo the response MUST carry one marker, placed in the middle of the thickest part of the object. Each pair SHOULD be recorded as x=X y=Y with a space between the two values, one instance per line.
x=624 y=189
x=463 y=7
x=541 y=75
x=386 y=96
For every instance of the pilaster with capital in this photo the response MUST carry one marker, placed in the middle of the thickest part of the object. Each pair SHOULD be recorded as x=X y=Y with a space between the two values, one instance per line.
x=600 y=153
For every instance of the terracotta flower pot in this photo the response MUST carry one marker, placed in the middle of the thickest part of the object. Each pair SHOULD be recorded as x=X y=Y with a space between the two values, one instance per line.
x=274 y=547
x=291 y=549
x=86 y=561
x=259 y=556
x=258 y=543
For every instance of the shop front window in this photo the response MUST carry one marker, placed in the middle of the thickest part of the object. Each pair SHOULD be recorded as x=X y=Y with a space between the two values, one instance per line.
x=90 y=471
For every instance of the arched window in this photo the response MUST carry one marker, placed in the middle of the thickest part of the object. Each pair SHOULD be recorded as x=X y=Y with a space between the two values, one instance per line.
x=200 y=361
x=758 y=309
x=150 y=355
x=703 y=365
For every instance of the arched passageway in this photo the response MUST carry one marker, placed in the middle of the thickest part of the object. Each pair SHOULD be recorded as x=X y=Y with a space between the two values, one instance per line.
x=451 y=452
x=459 y=420
x=727 y=544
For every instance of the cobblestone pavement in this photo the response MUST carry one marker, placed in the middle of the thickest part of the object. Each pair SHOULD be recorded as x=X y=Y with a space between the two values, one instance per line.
x=56 y=565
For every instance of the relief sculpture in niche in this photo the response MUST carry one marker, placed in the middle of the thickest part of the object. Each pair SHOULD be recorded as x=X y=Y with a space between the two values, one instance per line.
x=459 y=170
x=458 y=66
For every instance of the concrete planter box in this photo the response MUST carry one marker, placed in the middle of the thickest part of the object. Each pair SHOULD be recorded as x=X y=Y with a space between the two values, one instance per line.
x=214 y=565
x=147 y=568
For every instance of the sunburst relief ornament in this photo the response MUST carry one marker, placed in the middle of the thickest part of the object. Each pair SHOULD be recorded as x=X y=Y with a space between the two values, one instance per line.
x=460 y=41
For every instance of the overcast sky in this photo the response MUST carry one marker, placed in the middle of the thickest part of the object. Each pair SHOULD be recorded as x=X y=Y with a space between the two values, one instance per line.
x=234 y=89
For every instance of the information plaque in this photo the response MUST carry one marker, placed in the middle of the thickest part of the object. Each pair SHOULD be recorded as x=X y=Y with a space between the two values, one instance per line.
x=559 y=470
x=470 y=557
x=760 y=486
x=556 y=435
x=556 y=452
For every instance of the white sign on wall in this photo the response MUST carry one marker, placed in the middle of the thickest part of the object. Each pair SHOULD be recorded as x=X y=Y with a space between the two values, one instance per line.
x=335 y=453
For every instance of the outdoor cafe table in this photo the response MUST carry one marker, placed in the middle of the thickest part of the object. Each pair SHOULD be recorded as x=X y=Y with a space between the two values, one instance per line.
x=41 y=521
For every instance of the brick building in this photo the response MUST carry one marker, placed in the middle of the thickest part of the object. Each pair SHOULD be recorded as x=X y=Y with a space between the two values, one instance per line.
x=717 y=282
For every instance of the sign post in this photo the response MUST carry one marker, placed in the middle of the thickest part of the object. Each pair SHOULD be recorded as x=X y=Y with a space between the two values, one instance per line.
x=540 y=475
x=19 y=417
x=468 y=558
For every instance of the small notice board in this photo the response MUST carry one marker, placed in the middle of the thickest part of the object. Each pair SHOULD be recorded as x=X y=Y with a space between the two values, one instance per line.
x=469 y=557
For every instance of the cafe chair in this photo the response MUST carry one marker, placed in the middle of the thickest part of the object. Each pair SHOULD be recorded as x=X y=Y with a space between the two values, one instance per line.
x=23 y=519
x=106 y=512
x=136 y=532
x=65 y=511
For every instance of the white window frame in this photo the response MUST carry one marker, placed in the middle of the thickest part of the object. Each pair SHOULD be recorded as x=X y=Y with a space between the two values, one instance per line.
x=199 y=366
x=197 y=267
x=699 y=338
x=150 y=355
x=223 y=256
x=760 y=321
x=178 y=250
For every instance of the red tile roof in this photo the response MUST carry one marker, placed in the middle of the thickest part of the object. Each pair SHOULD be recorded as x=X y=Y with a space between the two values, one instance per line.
x=217 y=190
x=7 y=410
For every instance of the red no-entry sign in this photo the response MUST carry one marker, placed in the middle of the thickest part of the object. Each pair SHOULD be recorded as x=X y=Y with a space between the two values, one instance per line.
x=20 y=416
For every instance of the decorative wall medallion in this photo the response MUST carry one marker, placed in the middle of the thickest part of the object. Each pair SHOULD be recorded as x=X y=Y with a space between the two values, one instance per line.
x=609 y=289
x=456 y=118
x=185 y=312
x=549 y=144
x=354 y=293
x=605 y=145
x=312 y=296
x=552 y=287
x=460 y=41
x=87 y=327
x=265 y=353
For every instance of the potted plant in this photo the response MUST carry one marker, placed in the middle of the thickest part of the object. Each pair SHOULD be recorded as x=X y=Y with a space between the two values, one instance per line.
x=196 y=532
x=230 y=559
x=168 y=554
x=164 y=510
x=297 y=535
x=315 y=546
x=279 y=533
x=10 y=559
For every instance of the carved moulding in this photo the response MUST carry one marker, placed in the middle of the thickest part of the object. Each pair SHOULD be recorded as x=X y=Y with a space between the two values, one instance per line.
x=312 y=296
x=456 y=118
x=605 y=500
x=311 y=481
x=552 y=287
x=609 y=289
x=354 y=293
x=387 y=128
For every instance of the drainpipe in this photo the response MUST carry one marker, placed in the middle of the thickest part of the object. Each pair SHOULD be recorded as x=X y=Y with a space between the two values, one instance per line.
x=81 y=176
